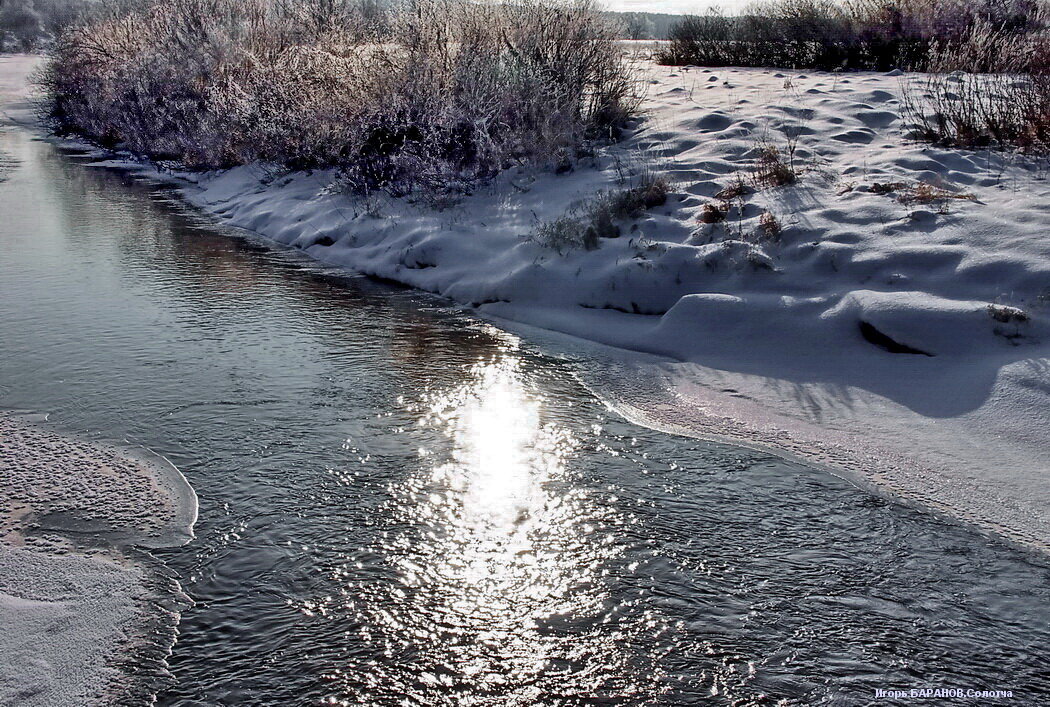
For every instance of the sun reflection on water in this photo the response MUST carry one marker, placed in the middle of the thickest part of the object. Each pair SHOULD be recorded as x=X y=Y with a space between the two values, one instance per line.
x=496 y=589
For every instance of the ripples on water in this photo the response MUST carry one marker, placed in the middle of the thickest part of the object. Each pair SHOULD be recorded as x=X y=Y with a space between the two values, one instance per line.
x=401 y=504
x=500 y=562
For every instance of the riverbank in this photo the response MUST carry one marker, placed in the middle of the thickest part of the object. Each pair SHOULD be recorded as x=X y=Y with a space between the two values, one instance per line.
x=884 y=316
x=894 y=329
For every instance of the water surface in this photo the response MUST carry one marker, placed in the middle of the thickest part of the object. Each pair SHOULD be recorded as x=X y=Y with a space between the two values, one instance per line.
x=402 y=504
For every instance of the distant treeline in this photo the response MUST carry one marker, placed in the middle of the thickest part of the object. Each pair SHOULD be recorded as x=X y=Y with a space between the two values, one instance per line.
x=26 y=25
x=645 y=25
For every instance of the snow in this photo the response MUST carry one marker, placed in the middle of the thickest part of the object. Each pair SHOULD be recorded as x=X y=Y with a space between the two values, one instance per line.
x=55 y=483
x=63 y=617
x=897 y=340
x=72 y=611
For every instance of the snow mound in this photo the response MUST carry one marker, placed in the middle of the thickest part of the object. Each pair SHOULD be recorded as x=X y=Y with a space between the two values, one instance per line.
x=934 y=325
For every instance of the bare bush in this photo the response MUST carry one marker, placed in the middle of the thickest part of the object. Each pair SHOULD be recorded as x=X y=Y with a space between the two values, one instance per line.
x=862 y=34
x=979 y=111
x=432 y=96
x=773 y=168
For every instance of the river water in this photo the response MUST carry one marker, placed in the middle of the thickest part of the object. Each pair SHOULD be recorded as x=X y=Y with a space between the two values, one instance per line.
x=402 y=504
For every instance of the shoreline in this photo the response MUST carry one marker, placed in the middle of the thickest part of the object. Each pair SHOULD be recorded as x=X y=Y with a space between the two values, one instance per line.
x=652 y=390
x=877 y=471
x=756 y=340
x=738 y=358
x=121 y=496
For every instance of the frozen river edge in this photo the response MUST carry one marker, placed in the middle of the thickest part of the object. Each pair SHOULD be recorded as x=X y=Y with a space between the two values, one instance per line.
x=780 y=345
x=88 y=617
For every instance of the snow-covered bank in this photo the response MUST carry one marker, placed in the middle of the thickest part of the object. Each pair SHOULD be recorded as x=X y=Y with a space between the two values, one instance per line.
x=889 y=306
x=73 y=628
x=75 y=603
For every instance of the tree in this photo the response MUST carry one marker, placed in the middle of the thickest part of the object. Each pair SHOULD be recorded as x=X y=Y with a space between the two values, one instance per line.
x=21 y=26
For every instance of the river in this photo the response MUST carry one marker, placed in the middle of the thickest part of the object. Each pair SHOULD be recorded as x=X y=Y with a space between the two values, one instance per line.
x=401 y=503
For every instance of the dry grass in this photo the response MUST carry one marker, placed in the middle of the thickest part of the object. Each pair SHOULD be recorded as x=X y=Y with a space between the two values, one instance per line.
x=566 y=233
x=1005 y=314
x=734 y=190
x=714 y=213
x=909 y=193
x=650 y=191
x=974 y=111
x=919 y=192
x=886 y=187
x=926 y=193
x=773 y=168
x=600 y=217
x=769 y=227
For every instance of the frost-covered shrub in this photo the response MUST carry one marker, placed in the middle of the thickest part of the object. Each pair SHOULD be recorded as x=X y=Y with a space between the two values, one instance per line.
x=983 y=110
x=432 y=95
x=862 y=34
